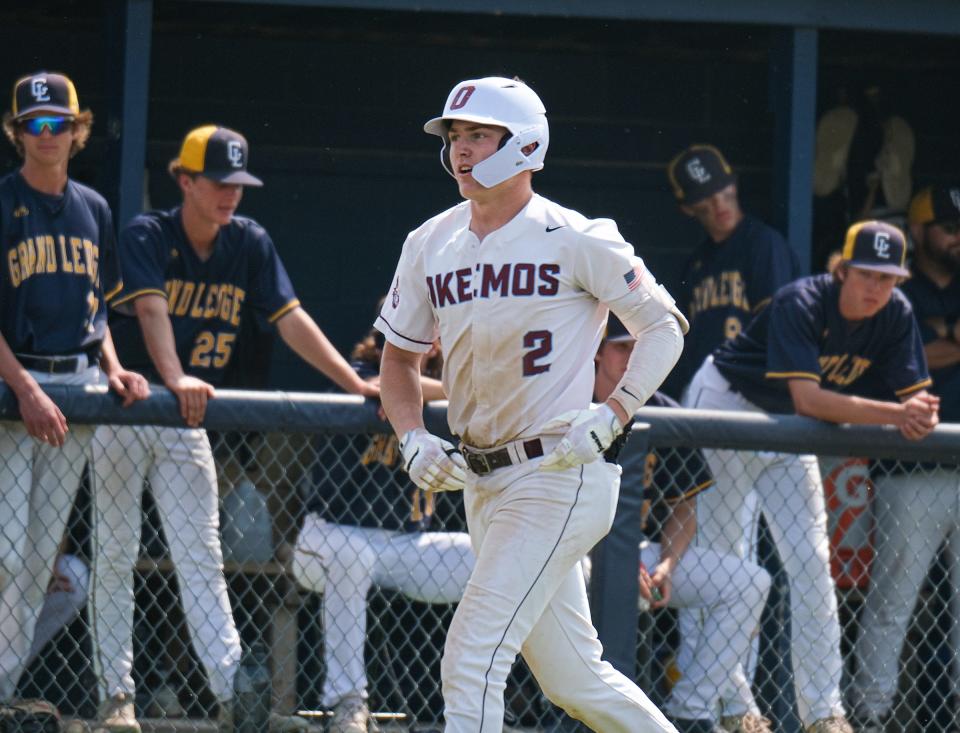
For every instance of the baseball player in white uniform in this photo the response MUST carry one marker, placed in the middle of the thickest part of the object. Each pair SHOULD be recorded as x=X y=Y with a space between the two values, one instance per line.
x=518 y=288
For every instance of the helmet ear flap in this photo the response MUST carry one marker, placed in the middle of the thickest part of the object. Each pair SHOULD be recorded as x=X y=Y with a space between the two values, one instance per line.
x=445 y=158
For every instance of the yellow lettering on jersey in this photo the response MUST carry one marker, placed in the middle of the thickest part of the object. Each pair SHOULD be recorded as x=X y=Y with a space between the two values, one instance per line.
x=238 y=295
x=210 y=304
x=196 y=310
x=381 y=449
x=90 y=254
x=22 y=254
x=51 y=247
x=224 y=298
x=173 y=290
x=719 y=292
x=41 y=265
x=843 y=369
x=14 y=266
x=31 y=258
x=185 y=294
x=76 y=244
x=65 y=265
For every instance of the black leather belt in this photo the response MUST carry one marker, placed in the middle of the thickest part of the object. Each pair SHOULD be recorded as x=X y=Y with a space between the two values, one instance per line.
x=66 y=364
x=483 y=463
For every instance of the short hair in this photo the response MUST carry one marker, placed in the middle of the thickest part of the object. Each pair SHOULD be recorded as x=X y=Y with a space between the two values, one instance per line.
x=82 y=125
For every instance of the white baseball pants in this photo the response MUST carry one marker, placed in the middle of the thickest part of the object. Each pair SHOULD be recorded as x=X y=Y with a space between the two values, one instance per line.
x=914 y=515
x=179 y=465
x=790 y=494
x=39 y=483
x=344 y=562
x=728 y=593
x=527 y=595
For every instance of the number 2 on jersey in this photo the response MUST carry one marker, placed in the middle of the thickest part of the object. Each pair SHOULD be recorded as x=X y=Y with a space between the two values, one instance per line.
x=221 y=345
x=540 y=344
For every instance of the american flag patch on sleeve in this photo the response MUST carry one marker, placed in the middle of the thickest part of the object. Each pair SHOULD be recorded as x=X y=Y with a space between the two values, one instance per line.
x=632 y=278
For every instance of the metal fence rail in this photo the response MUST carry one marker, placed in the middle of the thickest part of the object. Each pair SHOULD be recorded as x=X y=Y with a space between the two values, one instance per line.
x=278 y=456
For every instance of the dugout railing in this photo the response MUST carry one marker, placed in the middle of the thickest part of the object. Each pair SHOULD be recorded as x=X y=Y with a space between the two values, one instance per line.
x=272 y=448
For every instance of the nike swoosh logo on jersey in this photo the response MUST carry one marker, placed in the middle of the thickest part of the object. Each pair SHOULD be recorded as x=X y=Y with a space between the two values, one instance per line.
x=553 y=229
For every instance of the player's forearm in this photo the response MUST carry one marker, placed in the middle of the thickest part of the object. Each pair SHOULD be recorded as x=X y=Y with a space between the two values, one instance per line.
x=303 y=335
x=678 y=532
x=109 y=362
x=812 y=400
x=400 y=391
x=654 y=355
x=158 y=337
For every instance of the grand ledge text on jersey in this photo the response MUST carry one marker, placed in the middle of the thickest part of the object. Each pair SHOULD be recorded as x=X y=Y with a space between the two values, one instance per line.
x=49 y=254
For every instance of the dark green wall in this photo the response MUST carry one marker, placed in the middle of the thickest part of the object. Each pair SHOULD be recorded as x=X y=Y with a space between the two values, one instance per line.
x=333 y=102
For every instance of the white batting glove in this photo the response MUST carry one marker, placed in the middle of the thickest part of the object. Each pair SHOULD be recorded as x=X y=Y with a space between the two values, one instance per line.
x=589 y=433
x=433 y=463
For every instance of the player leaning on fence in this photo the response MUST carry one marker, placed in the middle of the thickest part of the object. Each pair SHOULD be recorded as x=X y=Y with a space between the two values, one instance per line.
x=189 y=271
x=812 y=351
x=517 y=289
x=59 y=271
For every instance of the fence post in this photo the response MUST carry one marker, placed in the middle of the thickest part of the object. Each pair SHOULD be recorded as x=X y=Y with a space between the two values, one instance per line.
x=614 y=588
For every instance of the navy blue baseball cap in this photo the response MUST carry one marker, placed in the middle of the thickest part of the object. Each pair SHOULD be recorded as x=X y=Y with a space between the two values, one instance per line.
x=44 y=91
x=217 y=153
x=876 y=245
x=698 y=172
x=616 y=331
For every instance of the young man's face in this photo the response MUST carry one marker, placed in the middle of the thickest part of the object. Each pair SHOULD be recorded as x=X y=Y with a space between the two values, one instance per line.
x=864 y=293
x=612 y=358
x=471 y=143
x=46 y=148
x=214 y=202
x=718 y=214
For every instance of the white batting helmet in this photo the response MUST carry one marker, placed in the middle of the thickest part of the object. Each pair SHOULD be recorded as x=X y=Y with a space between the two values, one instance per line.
x=508 y=103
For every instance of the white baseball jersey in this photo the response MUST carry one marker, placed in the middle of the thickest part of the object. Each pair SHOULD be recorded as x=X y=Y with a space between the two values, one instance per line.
x=519 y=315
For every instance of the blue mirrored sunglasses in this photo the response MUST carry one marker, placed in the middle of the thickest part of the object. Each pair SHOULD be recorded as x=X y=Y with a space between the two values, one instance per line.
x=56 y=125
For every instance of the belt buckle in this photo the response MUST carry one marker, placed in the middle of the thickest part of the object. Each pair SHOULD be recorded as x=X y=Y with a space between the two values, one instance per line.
x=481 y=459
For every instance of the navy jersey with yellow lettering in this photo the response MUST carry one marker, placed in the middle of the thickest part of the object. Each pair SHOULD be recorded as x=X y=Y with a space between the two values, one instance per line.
x=802 y=335
x=669 y=476
x=60 y=268
x=205 y=298
x=725 y=284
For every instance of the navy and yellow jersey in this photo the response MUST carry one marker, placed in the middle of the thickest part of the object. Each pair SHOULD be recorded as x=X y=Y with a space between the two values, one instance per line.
x=937 y=309
x=669 y=476
x=59 y=268
x=802 y=335
x=725 y=285
x=359 y=481
x=205 y=298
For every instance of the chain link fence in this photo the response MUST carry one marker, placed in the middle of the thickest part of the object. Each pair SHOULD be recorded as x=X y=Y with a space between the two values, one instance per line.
x=334 y=573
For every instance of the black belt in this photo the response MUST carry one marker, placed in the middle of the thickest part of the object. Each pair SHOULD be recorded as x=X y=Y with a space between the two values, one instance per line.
x=66 y=364
x=483 y=463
